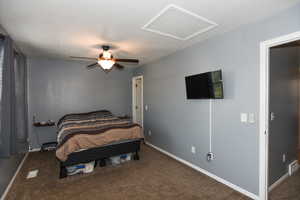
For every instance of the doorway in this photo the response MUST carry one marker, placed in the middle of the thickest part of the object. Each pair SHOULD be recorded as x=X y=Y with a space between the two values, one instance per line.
x=284 y=113
x=266 y=117
x=137 y=100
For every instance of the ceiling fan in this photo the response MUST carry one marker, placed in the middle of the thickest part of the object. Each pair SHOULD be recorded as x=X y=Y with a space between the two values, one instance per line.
x=106 y=60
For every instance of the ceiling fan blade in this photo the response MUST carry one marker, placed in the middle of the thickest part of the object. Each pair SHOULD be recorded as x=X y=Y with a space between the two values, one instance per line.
x=118 y=66
x=127 y=60
x=82 y=58
x=91 y=66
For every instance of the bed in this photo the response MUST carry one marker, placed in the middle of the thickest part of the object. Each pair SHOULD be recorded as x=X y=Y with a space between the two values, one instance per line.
x=95 y=136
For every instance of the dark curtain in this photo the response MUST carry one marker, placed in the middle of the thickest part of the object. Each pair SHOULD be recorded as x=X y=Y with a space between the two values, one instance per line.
x=1 y=70
x=8 y=128
x=13 y=101
x=20 y=70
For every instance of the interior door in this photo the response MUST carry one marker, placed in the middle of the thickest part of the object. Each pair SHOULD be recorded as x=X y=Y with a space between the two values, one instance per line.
x=138 y=101
x=283 y=106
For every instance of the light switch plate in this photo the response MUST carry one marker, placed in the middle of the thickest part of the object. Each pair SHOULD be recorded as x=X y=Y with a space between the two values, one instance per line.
x=146 y=107
x=193 y=150
x=251 y=118
x=283 y=158
x=244 y=117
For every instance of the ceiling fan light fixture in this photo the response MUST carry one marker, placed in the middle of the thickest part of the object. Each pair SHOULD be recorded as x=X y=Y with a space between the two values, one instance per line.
x=106 y=55
x=106 y=64
x=107 y=61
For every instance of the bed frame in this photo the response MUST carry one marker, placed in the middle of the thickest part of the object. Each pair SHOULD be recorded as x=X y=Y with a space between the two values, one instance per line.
x=99 y=154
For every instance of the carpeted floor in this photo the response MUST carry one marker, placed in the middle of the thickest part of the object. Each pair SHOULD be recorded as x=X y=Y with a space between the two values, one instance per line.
x=154 y=177
x=288 y=190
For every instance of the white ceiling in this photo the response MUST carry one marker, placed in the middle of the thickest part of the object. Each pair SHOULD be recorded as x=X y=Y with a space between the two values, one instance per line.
x=63 y=28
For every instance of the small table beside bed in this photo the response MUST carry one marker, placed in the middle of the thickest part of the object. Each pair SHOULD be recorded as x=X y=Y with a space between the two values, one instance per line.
x=95 y=136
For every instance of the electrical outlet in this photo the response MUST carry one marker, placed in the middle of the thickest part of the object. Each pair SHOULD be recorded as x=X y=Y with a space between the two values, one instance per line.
x=149 y=132
x=210 y=156
x=193 y=150
x=283 y=158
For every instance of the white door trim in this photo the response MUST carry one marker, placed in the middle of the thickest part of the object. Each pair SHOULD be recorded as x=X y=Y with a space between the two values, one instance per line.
x=264 y=108
x=133 y=98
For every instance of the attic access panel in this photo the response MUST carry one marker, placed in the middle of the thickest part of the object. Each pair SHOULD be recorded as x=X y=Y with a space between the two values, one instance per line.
x=178 y=23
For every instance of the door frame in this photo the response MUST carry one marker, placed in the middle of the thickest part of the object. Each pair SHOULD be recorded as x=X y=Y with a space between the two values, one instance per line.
x=133 y=98
x=264 y=108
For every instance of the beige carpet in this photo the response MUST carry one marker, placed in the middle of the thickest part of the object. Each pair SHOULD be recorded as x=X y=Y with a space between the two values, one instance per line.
x=154 y=177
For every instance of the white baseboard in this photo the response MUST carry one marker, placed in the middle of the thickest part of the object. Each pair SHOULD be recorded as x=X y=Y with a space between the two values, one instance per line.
x=14 y=177
x=278 y=182
x=221 y=180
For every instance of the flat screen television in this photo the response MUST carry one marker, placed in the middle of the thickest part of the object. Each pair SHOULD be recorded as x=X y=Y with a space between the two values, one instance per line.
x=207 y=85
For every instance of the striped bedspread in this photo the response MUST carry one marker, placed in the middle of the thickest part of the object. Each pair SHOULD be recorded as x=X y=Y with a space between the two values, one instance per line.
x=70 y=118
x=88 y=130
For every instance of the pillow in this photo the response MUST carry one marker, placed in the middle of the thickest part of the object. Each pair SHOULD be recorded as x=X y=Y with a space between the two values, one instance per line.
x=87 y=115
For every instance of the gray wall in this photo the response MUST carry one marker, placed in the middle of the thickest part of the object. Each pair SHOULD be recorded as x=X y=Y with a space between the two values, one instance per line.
x=284 y=101
x=58 y=87
x=2 y=30
x=177 y=123
x=8 y=167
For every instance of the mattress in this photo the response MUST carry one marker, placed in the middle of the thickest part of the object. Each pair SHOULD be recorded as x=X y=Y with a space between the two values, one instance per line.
x=94 y=129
